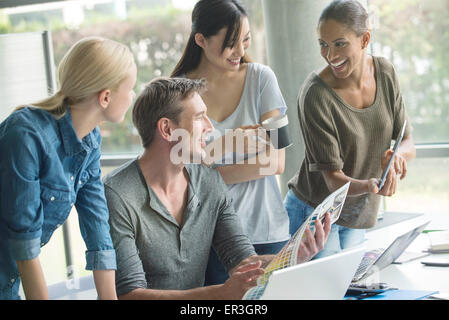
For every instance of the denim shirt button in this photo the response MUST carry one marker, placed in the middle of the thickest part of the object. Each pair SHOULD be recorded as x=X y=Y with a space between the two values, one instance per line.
x=52 y=198
x=12 y=280
x=71 y=178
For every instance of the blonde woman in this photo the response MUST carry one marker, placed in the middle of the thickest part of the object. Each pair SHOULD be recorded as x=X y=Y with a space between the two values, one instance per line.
x=50 y=161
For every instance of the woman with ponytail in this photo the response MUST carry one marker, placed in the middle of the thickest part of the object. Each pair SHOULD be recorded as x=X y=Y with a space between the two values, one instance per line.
x=50 y=161
x=240 y=94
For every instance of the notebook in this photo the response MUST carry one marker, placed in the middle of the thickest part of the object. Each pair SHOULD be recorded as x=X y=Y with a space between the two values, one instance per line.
x=327 y=278
x=439 y=241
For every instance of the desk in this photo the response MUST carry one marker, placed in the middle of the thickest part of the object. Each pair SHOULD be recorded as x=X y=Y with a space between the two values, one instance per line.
x=408 y=276
x=412 y=275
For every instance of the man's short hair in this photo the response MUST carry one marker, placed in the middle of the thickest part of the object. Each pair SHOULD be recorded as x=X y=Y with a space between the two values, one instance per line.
x=162 y=98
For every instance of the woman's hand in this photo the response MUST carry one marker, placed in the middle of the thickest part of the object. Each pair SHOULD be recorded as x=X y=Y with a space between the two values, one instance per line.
x=251 y=139
x=398 y=168
x=254 y=126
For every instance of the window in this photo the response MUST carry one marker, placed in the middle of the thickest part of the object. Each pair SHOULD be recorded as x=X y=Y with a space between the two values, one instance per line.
x=425 y=189
x=412 y=35
x=156 y=31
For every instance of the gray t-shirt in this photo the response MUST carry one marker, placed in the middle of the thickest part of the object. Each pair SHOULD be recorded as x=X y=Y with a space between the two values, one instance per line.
x=338 y=136
x=258 y=203
x=153 y=250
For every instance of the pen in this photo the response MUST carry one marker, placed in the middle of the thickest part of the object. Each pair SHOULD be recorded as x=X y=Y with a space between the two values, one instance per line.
x=428 y=231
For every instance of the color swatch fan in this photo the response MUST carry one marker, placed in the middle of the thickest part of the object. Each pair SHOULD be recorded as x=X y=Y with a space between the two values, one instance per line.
x=288 y=255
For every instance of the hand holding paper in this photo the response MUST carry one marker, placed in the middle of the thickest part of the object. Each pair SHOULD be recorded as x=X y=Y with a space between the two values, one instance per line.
x=314 y=241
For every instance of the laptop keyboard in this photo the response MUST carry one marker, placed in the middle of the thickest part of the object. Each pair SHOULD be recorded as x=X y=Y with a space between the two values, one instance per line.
x=368 y=259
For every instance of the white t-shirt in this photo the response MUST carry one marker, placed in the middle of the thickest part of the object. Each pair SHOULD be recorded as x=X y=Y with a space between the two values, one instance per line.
x=258 y=203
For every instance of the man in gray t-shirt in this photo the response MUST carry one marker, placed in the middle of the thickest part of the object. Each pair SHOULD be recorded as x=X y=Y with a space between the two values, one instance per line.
x=165 y=214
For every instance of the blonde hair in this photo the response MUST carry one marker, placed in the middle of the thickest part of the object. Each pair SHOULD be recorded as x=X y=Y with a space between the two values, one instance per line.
x=90 y=66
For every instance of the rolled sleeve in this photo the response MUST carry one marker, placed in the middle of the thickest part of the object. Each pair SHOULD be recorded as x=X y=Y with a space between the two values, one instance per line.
x=24 y=249
x=93 y=218
x=326 y=166
x=101 y=260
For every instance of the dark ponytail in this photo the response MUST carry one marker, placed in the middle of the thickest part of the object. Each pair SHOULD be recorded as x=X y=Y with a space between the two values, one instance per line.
x=190 y=58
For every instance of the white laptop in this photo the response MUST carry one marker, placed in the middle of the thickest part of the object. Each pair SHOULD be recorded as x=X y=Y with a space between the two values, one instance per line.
x=326 y=278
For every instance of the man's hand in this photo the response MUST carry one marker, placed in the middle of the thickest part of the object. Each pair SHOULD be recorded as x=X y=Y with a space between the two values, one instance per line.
x=241 y=280
x=312 y=244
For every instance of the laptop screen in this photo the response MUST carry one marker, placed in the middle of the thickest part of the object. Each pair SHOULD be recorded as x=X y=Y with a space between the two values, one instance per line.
x=398 y=247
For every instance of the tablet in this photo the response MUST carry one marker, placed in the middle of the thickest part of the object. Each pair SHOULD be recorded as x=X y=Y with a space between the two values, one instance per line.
x=436 y=262
x=395 y=149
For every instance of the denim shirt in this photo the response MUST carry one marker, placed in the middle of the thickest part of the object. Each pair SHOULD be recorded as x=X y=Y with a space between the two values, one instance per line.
x=45 y=169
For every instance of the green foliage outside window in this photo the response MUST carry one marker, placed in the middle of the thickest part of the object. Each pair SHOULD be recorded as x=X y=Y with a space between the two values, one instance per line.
x=414 y=36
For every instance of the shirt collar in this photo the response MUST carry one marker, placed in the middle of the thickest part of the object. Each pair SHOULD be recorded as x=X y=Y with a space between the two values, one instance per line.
x=156 y=205
x=193 y=197
x=72 y=144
